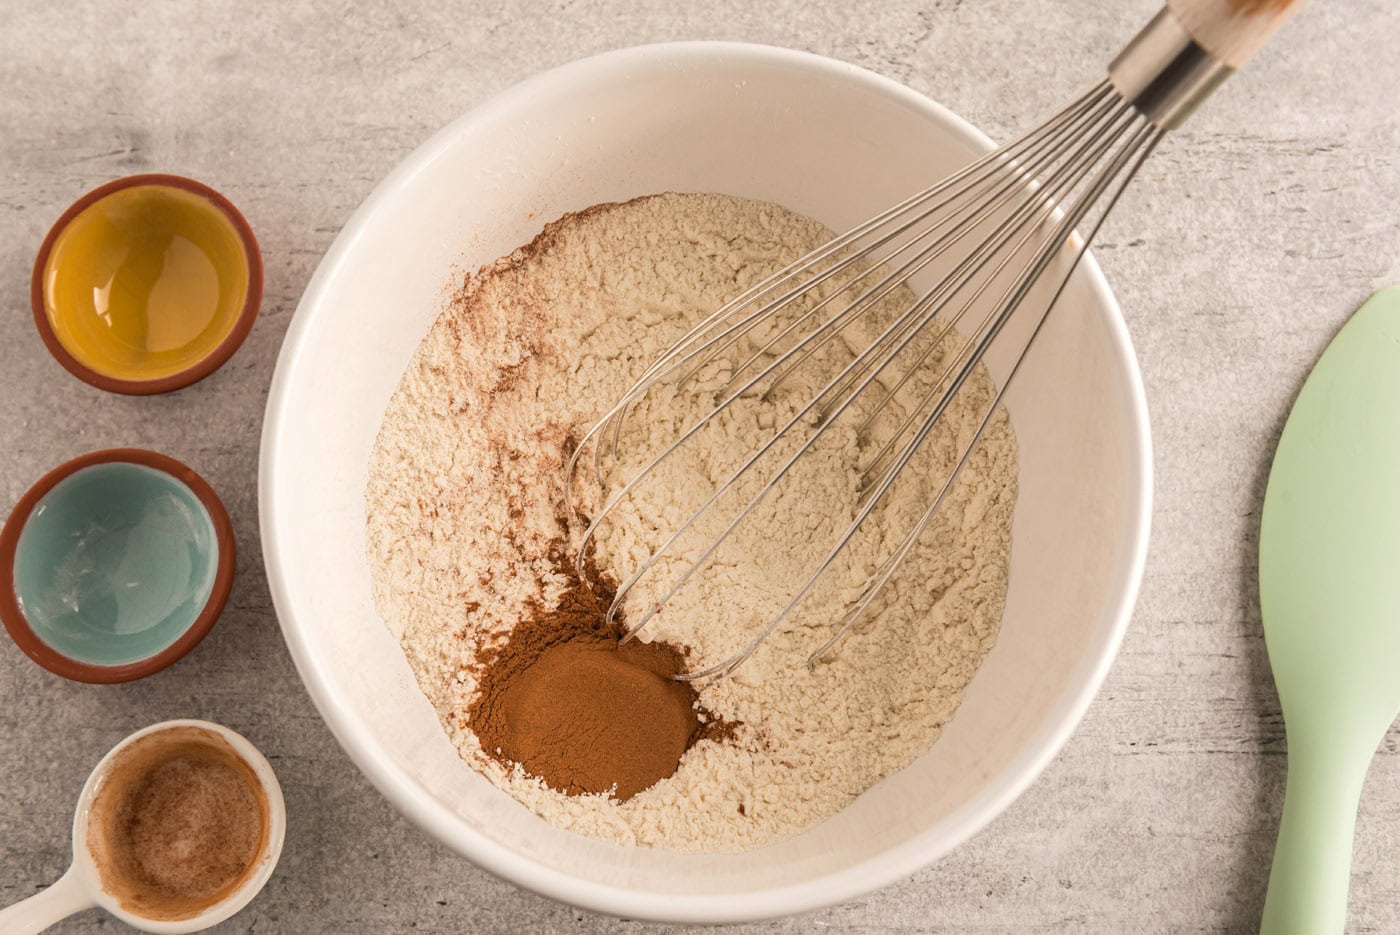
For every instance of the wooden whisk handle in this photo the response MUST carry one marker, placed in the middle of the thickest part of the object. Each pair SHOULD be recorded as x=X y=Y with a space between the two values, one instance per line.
x=1233 y=30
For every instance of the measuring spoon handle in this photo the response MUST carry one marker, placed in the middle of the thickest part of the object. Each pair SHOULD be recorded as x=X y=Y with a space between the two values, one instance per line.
x=43 y=909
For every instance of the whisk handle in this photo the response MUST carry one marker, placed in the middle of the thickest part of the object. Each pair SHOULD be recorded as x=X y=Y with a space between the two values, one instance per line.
x=1233 y=30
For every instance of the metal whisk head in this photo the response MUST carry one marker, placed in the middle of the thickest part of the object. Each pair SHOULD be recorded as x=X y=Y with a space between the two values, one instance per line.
x=972 y=248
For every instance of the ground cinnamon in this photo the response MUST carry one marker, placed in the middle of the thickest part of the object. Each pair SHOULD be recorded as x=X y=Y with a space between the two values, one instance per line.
x=565 y=701
x=177 y=824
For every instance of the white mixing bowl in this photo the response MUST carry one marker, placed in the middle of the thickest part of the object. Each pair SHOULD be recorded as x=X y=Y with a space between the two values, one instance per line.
x=820 y=137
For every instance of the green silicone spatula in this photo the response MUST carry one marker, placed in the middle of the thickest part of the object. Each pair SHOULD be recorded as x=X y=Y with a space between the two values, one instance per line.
x=1329 y=585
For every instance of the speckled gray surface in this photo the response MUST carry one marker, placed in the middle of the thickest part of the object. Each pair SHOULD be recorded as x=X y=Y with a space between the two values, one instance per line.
x=1243 y=247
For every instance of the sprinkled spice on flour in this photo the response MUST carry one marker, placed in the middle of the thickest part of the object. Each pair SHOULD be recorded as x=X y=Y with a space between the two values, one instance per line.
x=586 y=715
x=466 y=546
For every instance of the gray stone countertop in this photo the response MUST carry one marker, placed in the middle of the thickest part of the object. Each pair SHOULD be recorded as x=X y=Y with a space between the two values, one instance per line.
x=1246 y=242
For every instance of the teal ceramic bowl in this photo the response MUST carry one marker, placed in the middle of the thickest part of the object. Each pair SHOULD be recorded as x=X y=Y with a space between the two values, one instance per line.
x=114 y=565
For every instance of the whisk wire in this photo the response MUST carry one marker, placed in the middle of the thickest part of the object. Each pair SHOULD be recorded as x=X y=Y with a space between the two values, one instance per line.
x=966 y=216
x=666 y=364
x=885 y=572
x=838 y=244
x=1063 y=179
x=1060 y=185
x=962 y=273
x=1078 y=167
x=998 y=225
x=1010 y=300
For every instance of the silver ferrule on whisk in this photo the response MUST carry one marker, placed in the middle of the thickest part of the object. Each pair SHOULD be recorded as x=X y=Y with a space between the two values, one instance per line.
x=1164 y=73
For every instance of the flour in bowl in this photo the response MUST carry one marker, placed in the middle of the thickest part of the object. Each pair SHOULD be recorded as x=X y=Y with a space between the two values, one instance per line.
x=467 y=535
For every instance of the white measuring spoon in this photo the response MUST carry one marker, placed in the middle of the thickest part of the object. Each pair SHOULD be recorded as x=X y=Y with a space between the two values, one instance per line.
x=81 y=887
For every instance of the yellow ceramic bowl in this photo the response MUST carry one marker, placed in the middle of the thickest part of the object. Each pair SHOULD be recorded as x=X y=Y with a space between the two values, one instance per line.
x=147 y=284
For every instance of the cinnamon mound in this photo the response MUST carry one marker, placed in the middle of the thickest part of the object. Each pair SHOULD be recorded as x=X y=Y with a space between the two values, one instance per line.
x=563 y=699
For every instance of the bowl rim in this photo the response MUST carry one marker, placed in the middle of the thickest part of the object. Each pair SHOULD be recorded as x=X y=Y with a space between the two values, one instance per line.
x=34 y=646
x=196 y=371
x=440 y=822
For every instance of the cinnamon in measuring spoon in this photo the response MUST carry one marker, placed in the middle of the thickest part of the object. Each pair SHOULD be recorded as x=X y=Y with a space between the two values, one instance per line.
x=564 y=700
x=178 y=823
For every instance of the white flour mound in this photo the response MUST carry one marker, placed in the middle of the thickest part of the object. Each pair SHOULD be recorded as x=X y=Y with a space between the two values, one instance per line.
x=465 y=493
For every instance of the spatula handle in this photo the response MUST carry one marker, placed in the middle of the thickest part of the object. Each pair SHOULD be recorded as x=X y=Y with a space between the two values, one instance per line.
x=1312 y=861
x=1233 y=30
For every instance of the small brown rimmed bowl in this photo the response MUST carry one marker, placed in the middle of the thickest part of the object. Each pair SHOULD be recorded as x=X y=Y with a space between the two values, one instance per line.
x=147 y=284
x=114 y=565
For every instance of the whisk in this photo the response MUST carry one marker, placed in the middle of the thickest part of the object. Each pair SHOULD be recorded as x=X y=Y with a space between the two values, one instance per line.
x=993 y=230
